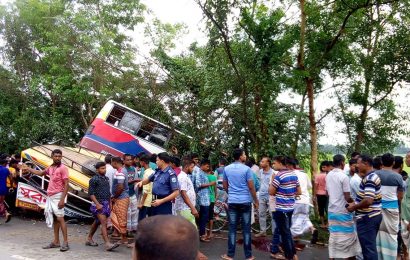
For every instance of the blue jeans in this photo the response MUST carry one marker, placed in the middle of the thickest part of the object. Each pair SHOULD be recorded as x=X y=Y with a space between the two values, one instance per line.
x=367 y=229
x=274 y=248
x=283 y=223
x=237 y=212
x=203 y=219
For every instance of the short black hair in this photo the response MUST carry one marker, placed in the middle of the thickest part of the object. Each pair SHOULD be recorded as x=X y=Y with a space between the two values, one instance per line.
x=13 y=161
x=56 y=151
x=324 y=163
x=280 y=158
x=3 y=161
x=205 y=161
x=164 y=157
x=352 y=161
x=140 y=154
x=194 y=155
x=398 y=162
x=387 y=160
x=354 y=154
x=237 y=153
x=186 y=161
x=290 y=161
x=108 y=158
x=99 y=165
x=222 y=161
x=127 y=155
x=252 y=160
x=117 y=159
x=377 y=162
x=144 y=158
x=338 y=160
x=153 y=158
x=175 y=160
x=267 y=157
x=367 y=159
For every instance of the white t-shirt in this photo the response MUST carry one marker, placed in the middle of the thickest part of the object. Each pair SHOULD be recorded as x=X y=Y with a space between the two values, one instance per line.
x=185 y=184
x=337 y=182
x=355 y=185
x=305 y=185
x=109 y=172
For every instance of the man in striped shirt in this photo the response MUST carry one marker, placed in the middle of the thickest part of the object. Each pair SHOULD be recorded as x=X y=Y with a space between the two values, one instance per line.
x=367 y=207
x=285 y=186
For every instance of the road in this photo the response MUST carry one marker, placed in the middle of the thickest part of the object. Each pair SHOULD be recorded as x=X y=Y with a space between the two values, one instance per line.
x=23 y=239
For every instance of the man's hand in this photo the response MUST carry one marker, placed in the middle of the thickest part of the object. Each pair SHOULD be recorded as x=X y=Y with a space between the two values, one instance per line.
x=212 y=183
x=140 y=206
x=195 y=212
x=350 y=208
x=256 y=204
x=156 y=203
x=61 y=204
x=98 y=207
x=139 y=184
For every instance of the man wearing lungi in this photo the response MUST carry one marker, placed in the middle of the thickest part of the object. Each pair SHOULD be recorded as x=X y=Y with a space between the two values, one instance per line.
x=56 y=195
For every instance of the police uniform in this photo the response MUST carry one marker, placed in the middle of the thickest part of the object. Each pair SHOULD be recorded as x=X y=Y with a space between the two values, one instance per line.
x=165 y=182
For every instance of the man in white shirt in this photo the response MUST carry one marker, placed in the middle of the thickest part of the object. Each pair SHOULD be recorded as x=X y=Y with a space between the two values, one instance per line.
x=265 y=175
x=110 y=171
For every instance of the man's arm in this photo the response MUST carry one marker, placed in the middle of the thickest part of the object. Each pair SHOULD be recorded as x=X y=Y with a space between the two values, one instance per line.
x=65 y=191
x=143 y=198
x=170 y=197
x=400 y=195
x=298 y=191
x=225 y=185
x=145 y=181
x=347 y=196
x=119 y=190
x=272 y=190
x=206 y=185
x=187 y=201
x=365 y=203
x=24 y=167
x=252 y=189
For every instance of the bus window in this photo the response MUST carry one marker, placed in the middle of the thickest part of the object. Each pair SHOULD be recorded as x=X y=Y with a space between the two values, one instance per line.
x=159 y=136
x=126 y=120
x=146 y=128
x=116 y=115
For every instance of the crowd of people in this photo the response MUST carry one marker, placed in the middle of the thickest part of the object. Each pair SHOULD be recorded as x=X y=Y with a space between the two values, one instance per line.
x=363 y=204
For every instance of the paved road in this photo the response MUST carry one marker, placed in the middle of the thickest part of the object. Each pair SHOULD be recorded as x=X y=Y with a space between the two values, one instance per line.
x=23 y=239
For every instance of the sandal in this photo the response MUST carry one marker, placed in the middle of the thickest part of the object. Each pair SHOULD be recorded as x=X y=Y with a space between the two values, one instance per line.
x=204 y=239
x=64 y=248
x=51 y=245
x=112 y=247
x=8 y=217
x=278 y=256
x=226 y=257
x=251 y=258
x=90 y=243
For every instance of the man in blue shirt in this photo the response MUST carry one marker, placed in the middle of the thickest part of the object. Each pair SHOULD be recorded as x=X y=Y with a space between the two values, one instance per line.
x=238 y=182
x=165 y=186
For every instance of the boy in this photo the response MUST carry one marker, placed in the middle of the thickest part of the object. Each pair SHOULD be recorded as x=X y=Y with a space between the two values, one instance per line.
x=99 y=191
x=212 y=195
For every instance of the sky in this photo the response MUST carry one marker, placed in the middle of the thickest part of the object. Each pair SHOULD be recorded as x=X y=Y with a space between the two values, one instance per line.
x=188 y=13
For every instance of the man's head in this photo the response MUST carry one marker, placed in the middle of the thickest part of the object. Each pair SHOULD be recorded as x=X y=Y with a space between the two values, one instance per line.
x=108 y=159
x=290 y=163
x=128 y=159
x=175 y=162
x=355 y=155
x=57 y=156
x=166 y=237
x=388 y=160
x=163 y=160
x=195 y=158
x=144 y=161
x=116 y=162
x=188 y=165
x=353 y=165
x=222 y=162
x=408 y=159
x=101 y=168
x=205 y=165
x=339 y=161
x=324 y=166
x=13 y=163
x=398 y=164
x=265 y=162
x=364 y=165
x=239 y=155
x=3 y=161
x=279 y=162
x=377 y=163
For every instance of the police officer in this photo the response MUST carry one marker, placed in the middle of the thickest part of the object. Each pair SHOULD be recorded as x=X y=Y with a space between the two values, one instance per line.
x=165 y=186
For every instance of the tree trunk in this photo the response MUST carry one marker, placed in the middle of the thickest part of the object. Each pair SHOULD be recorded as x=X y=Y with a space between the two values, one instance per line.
x=295 y=144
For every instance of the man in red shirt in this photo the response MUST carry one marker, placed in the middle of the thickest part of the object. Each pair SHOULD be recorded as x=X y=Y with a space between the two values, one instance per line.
x=56 y=194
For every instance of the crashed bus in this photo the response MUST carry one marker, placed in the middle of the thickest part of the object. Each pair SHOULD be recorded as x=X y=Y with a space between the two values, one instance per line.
x=116 y=130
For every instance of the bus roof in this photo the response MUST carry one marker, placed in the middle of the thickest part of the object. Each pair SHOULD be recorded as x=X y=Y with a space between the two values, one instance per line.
x=156 y=121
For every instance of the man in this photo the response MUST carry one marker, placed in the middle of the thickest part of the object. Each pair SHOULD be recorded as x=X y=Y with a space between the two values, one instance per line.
x=367 y=207
x=219 y=172
x=4 y=174
x=213 y=192
x=56 y=194
x=165 y=186
x=12 y=182
x=146 y=198
x=166 y=238
x=238 y=183
x=392 y=194
x=265 y=175
x=202 y=186
x=285 y=186
x=343 y=242
x=353 y=156
x=120 y=199
x=110 y=171
x=175 y=164
x=355 y=179
x=405 y=213
x=197 y=169
x=132 y=215
x=100 y=195
x=186 y=200
x=320 y=191
x=301 y=223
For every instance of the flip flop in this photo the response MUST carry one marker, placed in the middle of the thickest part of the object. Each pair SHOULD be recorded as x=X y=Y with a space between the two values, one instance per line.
x=64 y=248
x=90 y=243
x=251 y=258
x=8 y=218
x=226 y=257
x=51 y=245
x=112 y=247
x=278 y=256
x=204 y=239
